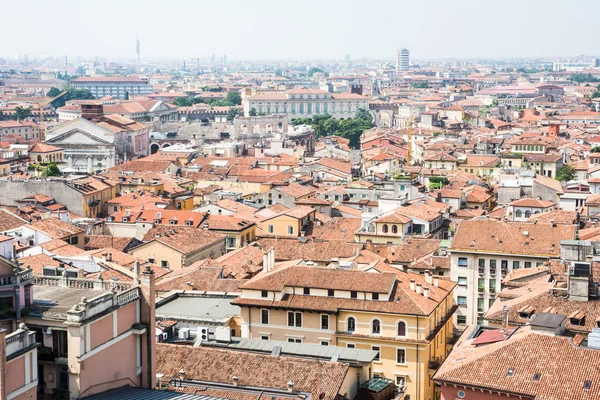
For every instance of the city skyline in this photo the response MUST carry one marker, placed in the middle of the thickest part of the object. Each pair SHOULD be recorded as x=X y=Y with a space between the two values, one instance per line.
x=244 y=35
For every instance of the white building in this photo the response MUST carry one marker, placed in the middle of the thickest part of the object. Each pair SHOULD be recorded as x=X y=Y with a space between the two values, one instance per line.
x=305 y=103
x=88 y=147
x=484 y=251
x=121 y=87
x=402 y=60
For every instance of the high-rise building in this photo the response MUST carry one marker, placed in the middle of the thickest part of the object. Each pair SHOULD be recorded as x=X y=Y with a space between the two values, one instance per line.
x=402 y=58
x=137 y=50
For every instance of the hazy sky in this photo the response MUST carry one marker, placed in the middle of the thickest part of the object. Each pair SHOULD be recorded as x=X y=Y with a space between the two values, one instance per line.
x=305 y=29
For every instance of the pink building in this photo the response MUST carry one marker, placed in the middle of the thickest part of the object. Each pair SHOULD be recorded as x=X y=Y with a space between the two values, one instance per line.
x=94 y=335
x=18 y=374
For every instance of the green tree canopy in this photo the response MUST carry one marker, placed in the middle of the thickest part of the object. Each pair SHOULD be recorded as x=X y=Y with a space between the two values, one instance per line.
x=53 y=92
x=183 y=102
x=234 y=98
x=314 y=70
x=22 y=113
x=566 y=173
x=232 y=113
x=252 y=112
x=52 y=170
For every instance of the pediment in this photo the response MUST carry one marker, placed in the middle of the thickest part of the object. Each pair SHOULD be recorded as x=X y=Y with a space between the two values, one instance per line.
x=77 y=136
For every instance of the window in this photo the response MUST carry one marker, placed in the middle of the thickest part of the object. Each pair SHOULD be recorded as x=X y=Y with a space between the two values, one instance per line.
x=481 y=262
x=384 y=228
x=74 y=240
x=164 y=263
x=294 y=340
x=527 y=214
x=377 y=349
x=295 y=319
x=462 y=262
x=376 y=327
x=527 y=264
x=587 y=385
x=394 y=228
x=290 y=230
x=462 y=281
x=264 y=317
x=151 y=260
x=353 y=294
x=510 y=372
x=351 y=324
x=462 y=300
x=271 y=229
x=519 y=214
x=324 y=343
x=375 y=296
x=516 y=265
x=264 y=337
x=351 y=345
x=264 y=293
x=401 y=330
x=307 y=290
x=401 y=381
x=493 y=264
x=461 y=319
x=400 y=356
x=324 y=321
x=330 y=292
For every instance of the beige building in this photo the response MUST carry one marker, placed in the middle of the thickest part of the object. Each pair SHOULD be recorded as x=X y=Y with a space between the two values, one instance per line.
x=288 y=223
x=405 y=317
x=305 y=103
x=181 y=247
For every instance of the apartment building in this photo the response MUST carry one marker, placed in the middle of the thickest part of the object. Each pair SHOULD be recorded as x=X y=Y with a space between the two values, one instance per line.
x=305 y=103
x=121 y=87
x=405 y=317
x=26 y=129
x=18 y=362
x=484 y=251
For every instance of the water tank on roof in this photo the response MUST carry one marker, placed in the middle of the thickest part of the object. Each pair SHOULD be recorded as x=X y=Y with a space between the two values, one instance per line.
x=594 y=339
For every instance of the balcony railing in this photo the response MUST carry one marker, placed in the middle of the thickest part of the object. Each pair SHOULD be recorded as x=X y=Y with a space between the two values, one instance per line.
x=481 y=271
x=492 y=290
x=93 y=203
x=81 y=283
x=435 y=363
x=504 y=271
x=19 y=340
x=20 y=277
x=480 y=289
x=492 y=271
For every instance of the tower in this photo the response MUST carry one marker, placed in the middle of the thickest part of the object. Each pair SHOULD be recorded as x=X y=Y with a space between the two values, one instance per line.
x=402 y=60
x=137 y=50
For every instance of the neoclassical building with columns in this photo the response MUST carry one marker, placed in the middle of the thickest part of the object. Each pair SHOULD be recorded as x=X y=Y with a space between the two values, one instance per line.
x=88 y=147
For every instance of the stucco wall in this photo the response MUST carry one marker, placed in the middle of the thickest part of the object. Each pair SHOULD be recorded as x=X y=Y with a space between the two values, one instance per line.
x=63 y=194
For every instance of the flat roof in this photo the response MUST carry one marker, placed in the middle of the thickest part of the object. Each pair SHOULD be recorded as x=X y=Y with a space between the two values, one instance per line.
x=215 y=308
x=297 y=349
x=53 y=302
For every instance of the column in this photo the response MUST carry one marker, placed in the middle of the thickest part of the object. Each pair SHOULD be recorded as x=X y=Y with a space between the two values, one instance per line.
x=90 y=166
x=70 y=160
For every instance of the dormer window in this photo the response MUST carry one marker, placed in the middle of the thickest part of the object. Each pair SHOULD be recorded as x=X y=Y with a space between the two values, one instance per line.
x=353 y=294
x=125 y=219
x=330 y=292
x=188 y=223
x=577 y=318
x=375 y=296
x=526 y=312
x=172 y=222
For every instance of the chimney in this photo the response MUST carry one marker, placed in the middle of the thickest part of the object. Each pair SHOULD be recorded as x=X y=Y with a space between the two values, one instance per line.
x=412 y=285
x=418 y=288
x=426 y=292
x=136 y=273
x=505 y=319
x=265 y=261
x=427 y=277
x=271 y=258
x=436 y=281
x=147 y=316
x=290 y=386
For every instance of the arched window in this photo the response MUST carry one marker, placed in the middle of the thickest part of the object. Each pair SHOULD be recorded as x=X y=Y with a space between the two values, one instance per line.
x=401 y=331
x=519 y=213
x=527 y=214
x=394 y=228
x=351 y=324
x=376 y=327
x=385 y=228
x=537 y=212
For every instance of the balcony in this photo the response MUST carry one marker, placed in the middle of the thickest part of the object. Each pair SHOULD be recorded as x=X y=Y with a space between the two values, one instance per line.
x=20 y=277
x=492 y=271
x=93 y=203
x=504 y=271
x=480 y=289
x=492 y=291
x=452 y=340
x=481 y=271
x=435 y=363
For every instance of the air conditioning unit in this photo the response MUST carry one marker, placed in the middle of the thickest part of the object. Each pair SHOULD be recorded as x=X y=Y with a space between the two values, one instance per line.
x=184 y=333
x=47 y=331
x=203 y=332
x=223 y=334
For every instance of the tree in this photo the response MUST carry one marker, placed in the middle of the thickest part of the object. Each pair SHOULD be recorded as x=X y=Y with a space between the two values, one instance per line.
x=80 y=70
x=314 y=70
x=278 y=72
x=234 y=98
x=232 y=113
x=22 y=113
x=183 y=102
x=73 y=94
x=52 y=170
x=252 y=112
x=566 y=173
x=53 y=92
x=596 y=149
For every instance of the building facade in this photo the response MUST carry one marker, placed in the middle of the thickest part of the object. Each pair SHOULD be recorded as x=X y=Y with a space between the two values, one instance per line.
x=120 y=86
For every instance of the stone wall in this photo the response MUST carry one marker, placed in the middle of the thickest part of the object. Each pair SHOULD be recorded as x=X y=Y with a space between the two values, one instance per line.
x=10 y=191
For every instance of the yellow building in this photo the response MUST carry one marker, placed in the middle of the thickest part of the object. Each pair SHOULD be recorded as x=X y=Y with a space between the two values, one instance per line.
x=184 y=203
x=238 y=232
x=288 y=223
x=95 y=192
x=481 y=165
x=406 y=317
